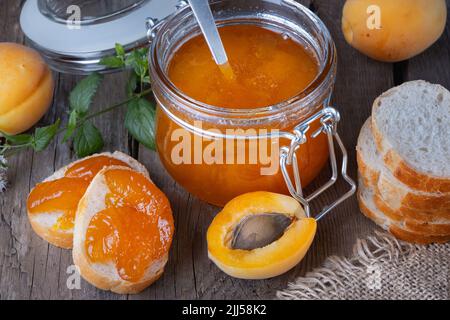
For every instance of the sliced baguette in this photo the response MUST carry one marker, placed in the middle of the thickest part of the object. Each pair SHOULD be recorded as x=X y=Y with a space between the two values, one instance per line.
x=400 y=231
x=411 y=126
x=399 y=197
x=43 y=223
x=105 y=276
x=438 y=227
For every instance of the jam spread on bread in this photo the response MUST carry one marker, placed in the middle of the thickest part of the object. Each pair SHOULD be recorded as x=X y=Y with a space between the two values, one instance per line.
x=63 y=195
x=135 y=229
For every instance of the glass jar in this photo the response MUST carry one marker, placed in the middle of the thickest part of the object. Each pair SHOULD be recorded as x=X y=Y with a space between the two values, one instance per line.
x=298 y=134
x=274 y=128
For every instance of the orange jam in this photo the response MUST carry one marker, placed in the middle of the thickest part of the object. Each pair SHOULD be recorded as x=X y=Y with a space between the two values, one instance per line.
x=135 y=229
x=63 y=195
x=268 y=68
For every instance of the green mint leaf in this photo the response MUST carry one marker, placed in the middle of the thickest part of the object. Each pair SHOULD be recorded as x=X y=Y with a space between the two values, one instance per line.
x=138 y=62
x=140 y=122
x=43 y=136
x=17 y=139
x=81 y=96
x=132 y=84
x=71 y=126
x=144 y=53
x=130 y=59
x=88 y=140
x=112 y=62
x=146 y=79
x=120 y=51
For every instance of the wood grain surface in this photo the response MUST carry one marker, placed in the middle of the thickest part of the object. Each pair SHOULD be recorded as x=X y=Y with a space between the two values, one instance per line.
x=32 y=269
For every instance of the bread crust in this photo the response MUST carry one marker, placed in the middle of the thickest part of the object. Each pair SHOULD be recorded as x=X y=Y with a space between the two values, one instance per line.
x=87 y=270
x=419 y=200
x=53 y=236
x=369 y=175
x=64 y=238
x=425 y=227
x=370 y=214
x=398 y=231
x=432 y=223
x=398 y=166
x=408 y=236
x=413 y=205
x=423 y=215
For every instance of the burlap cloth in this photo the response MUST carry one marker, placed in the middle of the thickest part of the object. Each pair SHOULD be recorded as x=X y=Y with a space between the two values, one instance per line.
x=381 y=268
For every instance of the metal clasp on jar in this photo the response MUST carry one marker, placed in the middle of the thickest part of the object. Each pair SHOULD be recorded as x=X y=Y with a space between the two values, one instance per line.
x=329 y=118
x=153 y=24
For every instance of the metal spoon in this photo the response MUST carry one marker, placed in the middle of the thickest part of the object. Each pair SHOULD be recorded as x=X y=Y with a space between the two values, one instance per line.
x=205 y=19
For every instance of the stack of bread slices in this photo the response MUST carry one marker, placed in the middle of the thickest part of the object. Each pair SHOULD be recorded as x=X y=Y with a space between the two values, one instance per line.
x=403 y=157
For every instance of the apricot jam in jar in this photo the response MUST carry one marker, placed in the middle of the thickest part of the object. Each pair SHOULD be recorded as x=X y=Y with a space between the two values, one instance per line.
x=221 y=136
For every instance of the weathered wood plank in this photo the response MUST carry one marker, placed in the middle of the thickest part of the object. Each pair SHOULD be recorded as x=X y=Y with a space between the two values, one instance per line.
x=45 y=266
x=189 y=270
x=116 y=138
x=359 y=81
x=14 y=230
x=189 y=250
x=178 y=280
x=434 y=64
x=30 y=268
x=44 y=164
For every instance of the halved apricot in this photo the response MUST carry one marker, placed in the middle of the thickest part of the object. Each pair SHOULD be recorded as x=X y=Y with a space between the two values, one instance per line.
x=264 y=260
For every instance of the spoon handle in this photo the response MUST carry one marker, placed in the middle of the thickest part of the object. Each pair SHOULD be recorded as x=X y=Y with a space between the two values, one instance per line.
x=205 y=19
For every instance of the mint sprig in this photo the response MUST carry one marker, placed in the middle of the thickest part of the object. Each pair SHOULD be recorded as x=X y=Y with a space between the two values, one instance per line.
x=87 y=139
x=38 y=141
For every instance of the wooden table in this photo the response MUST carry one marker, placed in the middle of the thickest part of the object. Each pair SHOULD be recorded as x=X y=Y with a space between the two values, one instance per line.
x=30 y=268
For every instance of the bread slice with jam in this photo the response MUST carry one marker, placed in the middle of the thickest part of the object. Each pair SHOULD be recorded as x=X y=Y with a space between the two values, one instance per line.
x=45 y=223
x=123 y=231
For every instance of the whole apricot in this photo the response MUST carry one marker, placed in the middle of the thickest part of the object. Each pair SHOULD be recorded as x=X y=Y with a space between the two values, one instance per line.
x=26 y=88
x=393 y=30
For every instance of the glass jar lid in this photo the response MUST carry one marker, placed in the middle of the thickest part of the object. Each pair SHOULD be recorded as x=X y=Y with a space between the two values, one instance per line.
x=94 y=11
x=73 y=35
